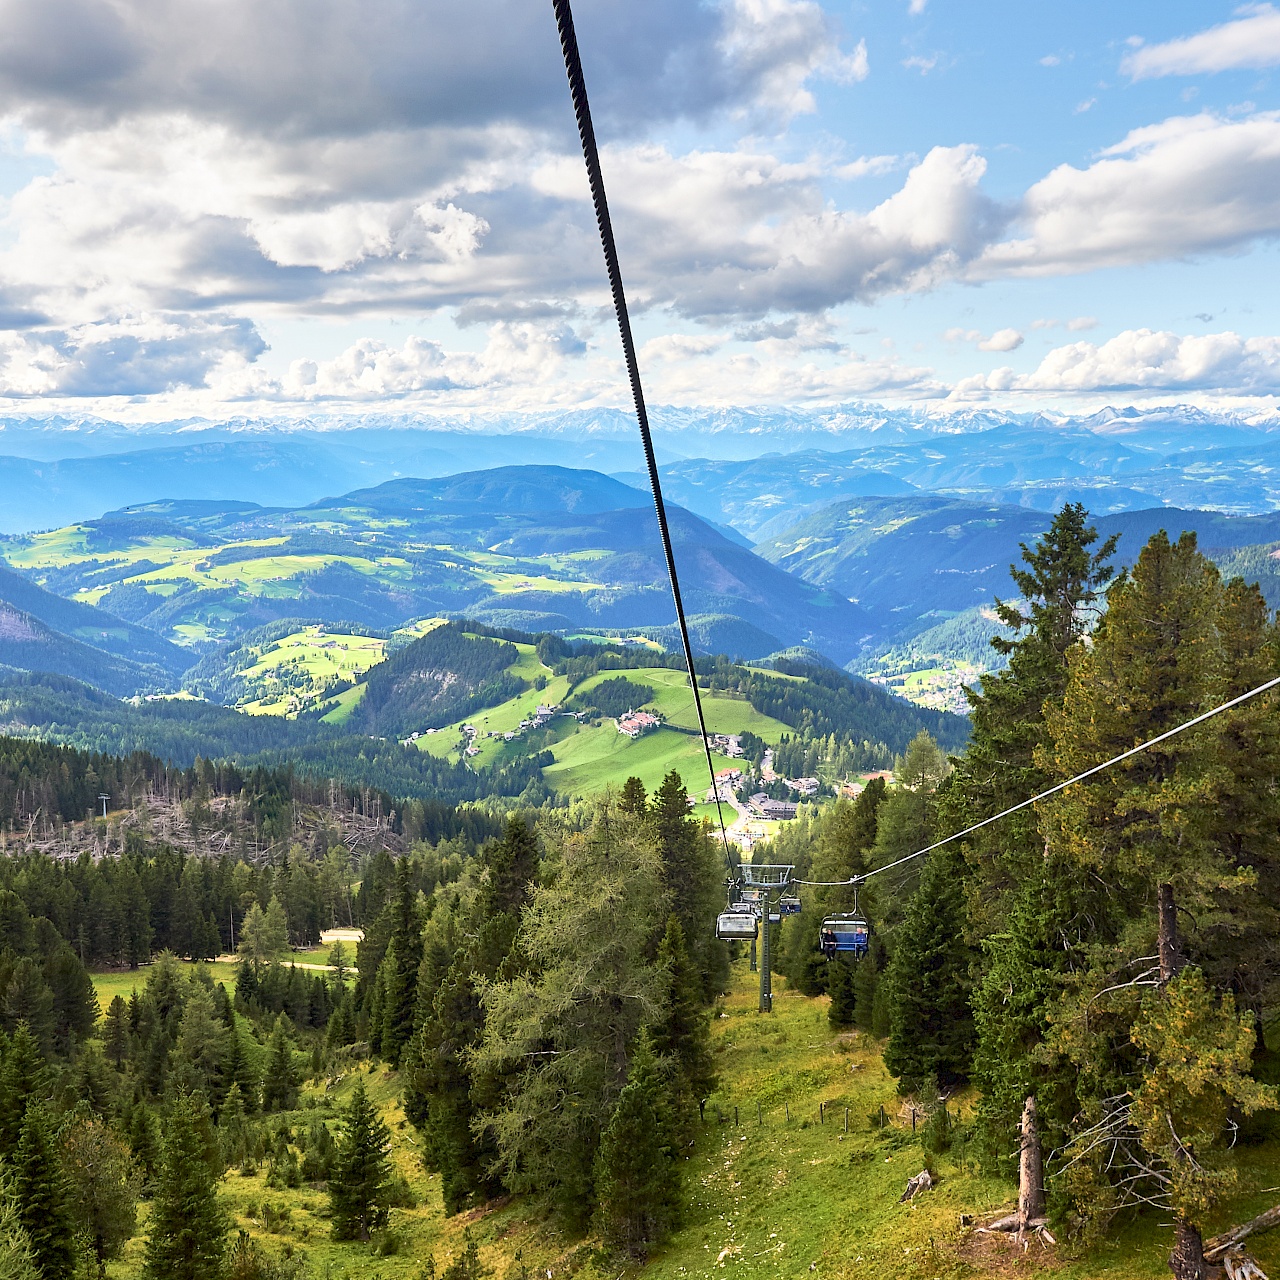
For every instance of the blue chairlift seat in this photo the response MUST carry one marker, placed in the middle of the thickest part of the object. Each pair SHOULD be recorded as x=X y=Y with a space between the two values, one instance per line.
x=844 y=933
x=789 y=906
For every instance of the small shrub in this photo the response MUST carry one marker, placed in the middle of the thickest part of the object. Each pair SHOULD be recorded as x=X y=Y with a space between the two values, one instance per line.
x=388 y=1243
x=400 y=1193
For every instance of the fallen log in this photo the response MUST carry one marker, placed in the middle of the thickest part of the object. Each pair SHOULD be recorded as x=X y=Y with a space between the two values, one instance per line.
x=1240 y=1266
x=1215 y=1249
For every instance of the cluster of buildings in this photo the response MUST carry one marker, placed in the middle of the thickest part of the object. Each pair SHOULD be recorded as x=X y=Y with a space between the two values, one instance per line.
x=806 y=787
x=635 y=723
x=544 y=714
x=776 y=810
x=727 y=744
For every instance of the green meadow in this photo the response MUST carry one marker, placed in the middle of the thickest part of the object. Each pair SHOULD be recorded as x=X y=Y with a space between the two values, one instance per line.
x=774 y=1187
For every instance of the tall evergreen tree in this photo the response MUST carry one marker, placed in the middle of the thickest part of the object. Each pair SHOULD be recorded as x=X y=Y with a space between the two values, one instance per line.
x=683 y=1032
x=694 y=870
x=188 y=1228
x=399 y=970
x=23 y=1079
x=637 y=1177
x=358 y=1190
x=115 y=1032
x=41 y=1194
x=931 y=1027
x=103 y=1188
x=280 y=1081
x=17 y=1261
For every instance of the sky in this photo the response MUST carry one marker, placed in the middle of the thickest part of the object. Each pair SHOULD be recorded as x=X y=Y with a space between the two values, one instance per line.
x=303 y=206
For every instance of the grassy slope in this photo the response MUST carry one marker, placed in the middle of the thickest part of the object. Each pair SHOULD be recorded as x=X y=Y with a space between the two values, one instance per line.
x=592 y=757
x=766 y=1198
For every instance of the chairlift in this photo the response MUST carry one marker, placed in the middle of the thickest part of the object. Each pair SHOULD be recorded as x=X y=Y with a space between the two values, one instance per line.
x=847 y=932
x=736 y=926
x=789 y=906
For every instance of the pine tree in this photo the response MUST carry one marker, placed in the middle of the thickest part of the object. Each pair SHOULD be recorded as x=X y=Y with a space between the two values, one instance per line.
x=188 y=1228
x=115 y=1033
x=636 y=1175
x=27 y=999
x=694 y=870
x=41 y=1194
x=358 y=1191
x=931 y=1027
x=17 y=1261
x=103 y=1188
x=23 y=1079
x=840 y=976
x=399 y=970
x=683 y=1032
x=633 y=798
x=75 y=1003
x=280 y=1082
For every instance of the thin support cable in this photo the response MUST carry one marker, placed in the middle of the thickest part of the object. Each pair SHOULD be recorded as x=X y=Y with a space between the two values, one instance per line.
x=590 y=154
x=1044 y=795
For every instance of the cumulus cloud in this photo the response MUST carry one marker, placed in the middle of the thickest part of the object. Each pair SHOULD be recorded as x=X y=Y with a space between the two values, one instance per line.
x=1145 y=360
x=326 y=68
x=1251 y=41
x=1001 y=340
x=1189 y=185
x=131 y=356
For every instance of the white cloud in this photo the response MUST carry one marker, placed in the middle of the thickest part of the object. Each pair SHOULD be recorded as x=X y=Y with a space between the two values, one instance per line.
x=866 y=167
x=131 y=356
x=1001 y=340
x=917 y=7
x=1050 y=60
x=1139 y=360
x=1190 y=185
x=920 y=63
x=1251 y=41
x=1080 y=323
x=1087 y=105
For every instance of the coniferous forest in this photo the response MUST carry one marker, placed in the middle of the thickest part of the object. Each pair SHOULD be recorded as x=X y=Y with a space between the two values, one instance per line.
x=531 y=1001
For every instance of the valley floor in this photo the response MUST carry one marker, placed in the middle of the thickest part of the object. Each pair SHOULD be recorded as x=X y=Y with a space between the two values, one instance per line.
x=771 y=1192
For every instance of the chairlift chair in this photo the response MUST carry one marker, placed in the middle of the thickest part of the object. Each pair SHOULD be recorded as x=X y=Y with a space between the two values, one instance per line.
x=736 y=926
x=789 y=906
x=847 y=932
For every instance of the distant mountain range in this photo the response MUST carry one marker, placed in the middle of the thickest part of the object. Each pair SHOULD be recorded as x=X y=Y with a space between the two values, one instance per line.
x=59 y=470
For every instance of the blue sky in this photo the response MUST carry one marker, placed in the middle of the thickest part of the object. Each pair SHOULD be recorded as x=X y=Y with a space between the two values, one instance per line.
x=318 y=206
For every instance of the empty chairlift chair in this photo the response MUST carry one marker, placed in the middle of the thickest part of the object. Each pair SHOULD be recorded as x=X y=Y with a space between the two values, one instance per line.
x=736 y=926
x=846 y=933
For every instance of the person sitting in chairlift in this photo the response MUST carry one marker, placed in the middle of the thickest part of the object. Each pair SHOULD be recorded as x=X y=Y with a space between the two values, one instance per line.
x=827 y=942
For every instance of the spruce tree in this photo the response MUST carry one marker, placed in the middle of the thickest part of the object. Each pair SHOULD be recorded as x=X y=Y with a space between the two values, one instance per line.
x=115 y=1033
x=41 y=1194
x=23 y=1079
x=633 y=798
x=683 y=1032
x=931 y=1027
x=399 y=970
x=694 y=870
x=103 y=1187
x=17 y=1262
x=358 y=1183
x=280 y=1080
x=840 y=975
x=637 y=1177
x=188 y=1228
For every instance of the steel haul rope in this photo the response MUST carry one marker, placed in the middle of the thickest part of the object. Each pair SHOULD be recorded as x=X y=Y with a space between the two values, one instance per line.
x=590 y=154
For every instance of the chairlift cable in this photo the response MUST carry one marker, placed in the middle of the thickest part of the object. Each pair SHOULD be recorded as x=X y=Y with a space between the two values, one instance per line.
x=590 y=154
x=1080 y=777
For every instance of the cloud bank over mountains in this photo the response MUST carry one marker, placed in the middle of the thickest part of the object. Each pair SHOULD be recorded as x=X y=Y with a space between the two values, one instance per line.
x=212 y=173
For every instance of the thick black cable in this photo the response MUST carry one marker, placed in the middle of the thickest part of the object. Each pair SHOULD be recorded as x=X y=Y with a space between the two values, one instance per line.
x=590 y=154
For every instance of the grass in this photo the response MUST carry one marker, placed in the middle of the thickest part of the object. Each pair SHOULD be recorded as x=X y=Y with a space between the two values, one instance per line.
x=124 y=982
x=770 y=1193
x=598 y=757
x=316 y=653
